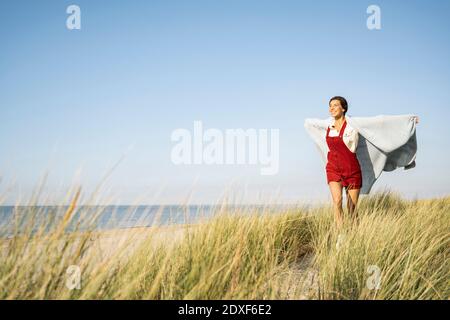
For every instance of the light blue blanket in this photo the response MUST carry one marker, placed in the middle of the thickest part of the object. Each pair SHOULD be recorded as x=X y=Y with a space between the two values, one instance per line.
x=385 y=143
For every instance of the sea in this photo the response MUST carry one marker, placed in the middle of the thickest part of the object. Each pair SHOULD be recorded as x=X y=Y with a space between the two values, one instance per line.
x=26 y=219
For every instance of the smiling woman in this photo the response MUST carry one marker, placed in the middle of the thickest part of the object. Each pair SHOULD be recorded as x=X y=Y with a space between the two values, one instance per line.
x=343 y=169
x=357 y=150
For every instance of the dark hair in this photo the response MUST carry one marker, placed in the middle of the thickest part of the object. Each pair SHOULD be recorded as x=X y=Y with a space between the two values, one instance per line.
x=343 y=102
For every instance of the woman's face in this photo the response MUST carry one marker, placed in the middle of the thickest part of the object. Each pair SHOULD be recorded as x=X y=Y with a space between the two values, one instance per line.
x=336 y=109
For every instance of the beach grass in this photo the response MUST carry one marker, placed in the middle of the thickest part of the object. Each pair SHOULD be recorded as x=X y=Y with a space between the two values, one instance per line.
x=396 y=249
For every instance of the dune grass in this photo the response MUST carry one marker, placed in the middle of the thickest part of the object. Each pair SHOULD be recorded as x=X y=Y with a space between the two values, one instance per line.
x=398 y=249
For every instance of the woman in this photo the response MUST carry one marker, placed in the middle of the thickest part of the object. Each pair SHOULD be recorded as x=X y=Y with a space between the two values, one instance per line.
x=357 y=150
x=342 y=168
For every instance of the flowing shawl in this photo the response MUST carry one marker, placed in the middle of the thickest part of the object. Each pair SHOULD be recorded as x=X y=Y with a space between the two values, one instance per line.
x=386 y=142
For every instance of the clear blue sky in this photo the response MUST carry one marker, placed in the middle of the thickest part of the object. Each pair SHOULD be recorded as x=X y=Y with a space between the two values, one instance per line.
x=137 y=70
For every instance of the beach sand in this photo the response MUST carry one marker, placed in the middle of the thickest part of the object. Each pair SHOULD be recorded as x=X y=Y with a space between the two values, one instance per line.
x=102 y=244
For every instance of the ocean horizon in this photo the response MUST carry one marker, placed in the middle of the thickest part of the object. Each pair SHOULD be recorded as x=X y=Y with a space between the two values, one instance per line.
x=19 y=219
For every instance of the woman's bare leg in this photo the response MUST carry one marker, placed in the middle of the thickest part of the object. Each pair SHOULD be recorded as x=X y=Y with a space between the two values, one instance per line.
x=336 y=194
x=352 y=200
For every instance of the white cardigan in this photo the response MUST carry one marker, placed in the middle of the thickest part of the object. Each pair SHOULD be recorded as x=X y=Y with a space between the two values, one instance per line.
x=385 y=143
x=350 y=136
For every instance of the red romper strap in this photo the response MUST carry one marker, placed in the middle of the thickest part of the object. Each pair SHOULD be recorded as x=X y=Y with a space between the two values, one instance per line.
x=341 y=133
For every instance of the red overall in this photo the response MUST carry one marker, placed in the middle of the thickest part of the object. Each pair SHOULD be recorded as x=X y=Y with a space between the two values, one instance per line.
x=342 y=165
